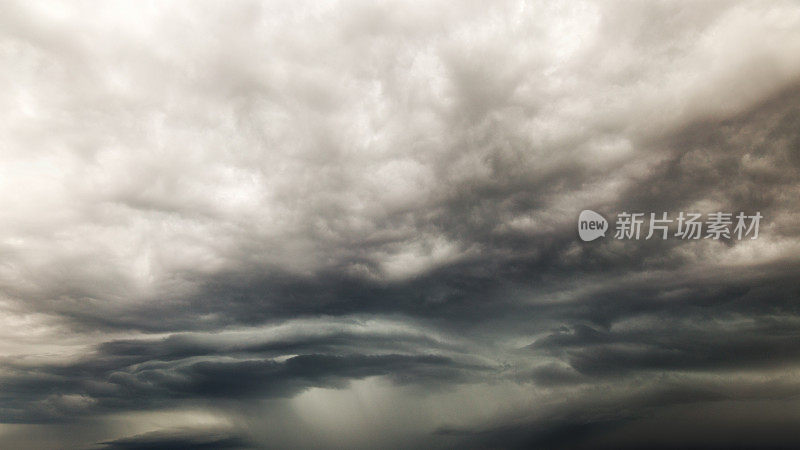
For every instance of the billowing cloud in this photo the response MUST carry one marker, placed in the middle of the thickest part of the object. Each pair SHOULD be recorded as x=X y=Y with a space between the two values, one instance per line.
x=352 y=224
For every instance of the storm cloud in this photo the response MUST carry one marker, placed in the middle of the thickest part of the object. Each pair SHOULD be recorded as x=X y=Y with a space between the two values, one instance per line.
x=353 y=224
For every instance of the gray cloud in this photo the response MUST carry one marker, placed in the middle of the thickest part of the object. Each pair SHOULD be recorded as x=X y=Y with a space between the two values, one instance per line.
x=353 y=224
x=179 y=439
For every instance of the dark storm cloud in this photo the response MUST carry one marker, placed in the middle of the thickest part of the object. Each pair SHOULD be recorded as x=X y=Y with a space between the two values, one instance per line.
x=142 y=374
x=748 y=165
x=180 y=439
x=767 y=342
x=664 y=412
x=744 y=161
x=208 y=205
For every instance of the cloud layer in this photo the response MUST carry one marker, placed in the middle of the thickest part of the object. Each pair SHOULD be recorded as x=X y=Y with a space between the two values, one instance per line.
x=353 y=224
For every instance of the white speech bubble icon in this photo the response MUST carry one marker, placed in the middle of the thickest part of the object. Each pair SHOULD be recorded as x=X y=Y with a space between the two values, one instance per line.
x=591 y=225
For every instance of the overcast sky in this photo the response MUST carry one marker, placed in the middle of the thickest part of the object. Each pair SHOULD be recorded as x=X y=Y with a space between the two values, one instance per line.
x=353 y=224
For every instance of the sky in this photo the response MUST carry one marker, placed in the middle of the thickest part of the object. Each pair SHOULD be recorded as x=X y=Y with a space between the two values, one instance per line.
x=353 y=224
